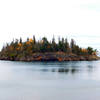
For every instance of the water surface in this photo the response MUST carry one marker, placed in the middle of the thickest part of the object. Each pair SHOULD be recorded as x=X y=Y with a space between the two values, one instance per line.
x=74 y=80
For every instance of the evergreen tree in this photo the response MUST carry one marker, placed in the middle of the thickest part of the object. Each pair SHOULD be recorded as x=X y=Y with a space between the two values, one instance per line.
x=90 y=50
x=54 y=45
x=72 y=45
x=67 y=46
x=34 y=40
x=20 y=41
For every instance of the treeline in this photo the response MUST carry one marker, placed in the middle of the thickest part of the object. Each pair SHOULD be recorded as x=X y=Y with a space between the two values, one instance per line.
x=19 y=48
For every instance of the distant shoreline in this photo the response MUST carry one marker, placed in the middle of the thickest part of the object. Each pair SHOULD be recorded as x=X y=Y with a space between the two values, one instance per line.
x=44 y=50
x=52 y=57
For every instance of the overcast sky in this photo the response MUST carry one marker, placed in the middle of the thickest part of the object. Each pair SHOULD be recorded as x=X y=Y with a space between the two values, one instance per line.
x=78 y=19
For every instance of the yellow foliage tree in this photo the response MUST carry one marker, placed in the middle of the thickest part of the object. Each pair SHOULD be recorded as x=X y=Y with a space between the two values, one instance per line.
x=19 y=44
x=30 y=40
x=84 y=50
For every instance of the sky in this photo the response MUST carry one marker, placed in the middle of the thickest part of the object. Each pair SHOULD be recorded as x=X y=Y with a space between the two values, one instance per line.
x=78 y=19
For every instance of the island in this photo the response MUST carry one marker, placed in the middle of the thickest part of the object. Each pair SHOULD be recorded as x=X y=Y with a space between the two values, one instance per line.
x=44 y=50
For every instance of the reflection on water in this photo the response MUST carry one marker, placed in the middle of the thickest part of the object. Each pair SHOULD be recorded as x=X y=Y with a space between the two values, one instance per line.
x=65 y=68
x=61 y=70
x=50 y=80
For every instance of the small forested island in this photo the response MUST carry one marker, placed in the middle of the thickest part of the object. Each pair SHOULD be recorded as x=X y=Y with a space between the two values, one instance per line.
x=44 y=50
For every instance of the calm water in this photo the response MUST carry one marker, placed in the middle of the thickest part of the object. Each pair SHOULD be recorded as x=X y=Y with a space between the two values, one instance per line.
x=77 y=80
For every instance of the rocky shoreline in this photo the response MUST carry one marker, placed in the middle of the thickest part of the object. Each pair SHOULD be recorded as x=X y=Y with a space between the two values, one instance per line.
x=52 y=57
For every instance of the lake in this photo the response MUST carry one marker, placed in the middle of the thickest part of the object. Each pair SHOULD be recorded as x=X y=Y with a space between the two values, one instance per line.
x=73 y=80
